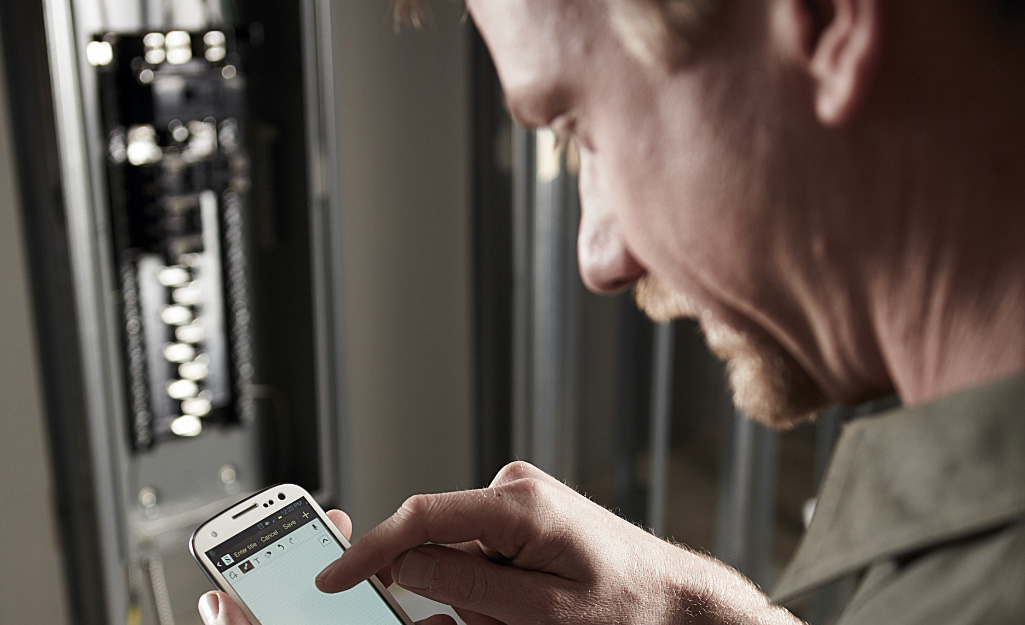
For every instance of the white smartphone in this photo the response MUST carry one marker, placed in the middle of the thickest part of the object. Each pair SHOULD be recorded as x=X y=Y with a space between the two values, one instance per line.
x=266 y=552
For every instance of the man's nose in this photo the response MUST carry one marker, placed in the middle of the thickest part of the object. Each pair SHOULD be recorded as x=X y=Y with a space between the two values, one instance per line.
x=606 y=264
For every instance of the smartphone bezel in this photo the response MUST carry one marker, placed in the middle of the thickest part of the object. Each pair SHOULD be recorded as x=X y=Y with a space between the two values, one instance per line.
x=226 y=527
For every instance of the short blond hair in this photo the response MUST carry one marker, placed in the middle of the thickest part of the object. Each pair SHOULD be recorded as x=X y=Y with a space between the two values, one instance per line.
x=663 y=31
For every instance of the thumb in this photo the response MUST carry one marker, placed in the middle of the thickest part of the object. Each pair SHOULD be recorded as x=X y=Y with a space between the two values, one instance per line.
x=470 y=582
x=217 y=608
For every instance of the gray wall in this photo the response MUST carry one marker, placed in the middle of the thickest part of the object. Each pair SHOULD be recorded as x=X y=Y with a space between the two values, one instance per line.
x=404 y=138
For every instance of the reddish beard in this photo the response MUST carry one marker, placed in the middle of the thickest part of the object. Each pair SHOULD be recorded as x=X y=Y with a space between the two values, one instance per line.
x=766 y=382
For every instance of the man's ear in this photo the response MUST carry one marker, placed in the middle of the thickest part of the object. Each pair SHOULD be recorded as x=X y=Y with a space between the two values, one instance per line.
x=842 y=40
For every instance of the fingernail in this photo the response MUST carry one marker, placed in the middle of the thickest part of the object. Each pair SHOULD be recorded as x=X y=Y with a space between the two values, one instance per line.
x=417 y=570
x=323 y=575
x=209 y=607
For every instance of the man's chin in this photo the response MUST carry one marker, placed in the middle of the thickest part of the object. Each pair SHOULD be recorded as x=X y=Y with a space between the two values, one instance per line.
x=767 y=384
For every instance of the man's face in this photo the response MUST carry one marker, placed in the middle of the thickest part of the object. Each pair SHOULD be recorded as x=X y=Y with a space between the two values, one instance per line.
x=674 y=181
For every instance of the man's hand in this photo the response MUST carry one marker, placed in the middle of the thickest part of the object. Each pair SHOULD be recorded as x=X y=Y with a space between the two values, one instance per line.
x=217 y=608
x=529 y=549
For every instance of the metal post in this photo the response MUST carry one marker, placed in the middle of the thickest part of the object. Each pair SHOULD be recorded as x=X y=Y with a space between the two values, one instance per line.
x=747 y=494
x=545 y=353
x=549 y=311
x=661 y=426
x=522 y=326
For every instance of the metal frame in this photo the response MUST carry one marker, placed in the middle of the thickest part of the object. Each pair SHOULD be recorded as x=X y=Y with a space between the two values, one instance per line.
x=89 y=284
x=326 y=234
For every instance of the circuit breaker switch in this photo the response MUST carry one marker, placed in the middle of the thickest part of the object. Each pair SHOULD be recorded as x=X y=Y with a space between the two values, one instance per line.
x=182 y=389
x=187 y=426
x=192 y=333
x=176 y=315
x=154 y=43
x=179 y=352
x=188 y=295
x=142 y=146
x=195 y=370
x=197 y=407
x=216 y=46
x=174 y=276
x=202 y=141
x=99 y=53
x=179 y=47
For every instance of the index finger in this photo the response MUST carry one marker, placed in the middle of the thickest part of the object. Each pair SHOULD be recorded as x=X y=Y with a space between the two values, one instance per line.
x=497 y=517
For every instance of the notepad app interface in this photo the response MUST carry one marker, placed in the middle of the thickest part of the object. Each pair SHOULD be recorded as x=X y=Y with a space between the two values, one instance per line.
x=272 y=567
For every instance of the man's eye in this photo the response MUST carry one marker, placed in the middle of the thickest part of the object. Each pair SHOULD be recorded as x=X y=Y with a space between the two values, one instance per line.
x=562 y=127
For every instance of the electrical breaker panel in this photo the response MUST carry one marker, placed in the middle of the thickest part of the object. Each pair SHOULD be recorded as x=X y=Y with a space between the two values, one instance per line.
x=173 y=110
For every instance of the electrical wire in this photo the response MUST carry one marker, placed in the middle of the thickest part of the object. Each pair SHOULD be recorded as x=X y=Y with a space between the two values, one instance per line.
x=161 y=593
x=135 y=585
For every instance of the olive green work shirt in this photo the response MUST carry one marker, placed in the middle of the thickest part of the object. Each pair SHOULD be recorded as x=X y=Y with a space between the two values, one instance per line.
x=928 y=505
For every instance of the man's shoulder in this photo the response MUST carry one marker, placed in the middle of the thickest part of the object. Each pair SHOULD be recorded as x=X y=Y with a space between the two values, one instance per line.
x=976 y=579
x=917 y=478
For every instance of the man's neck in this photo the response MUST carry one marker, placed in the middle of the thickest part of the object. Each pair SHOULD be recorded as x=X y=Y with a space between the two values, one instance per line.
x=951 y=348
x=948 y=294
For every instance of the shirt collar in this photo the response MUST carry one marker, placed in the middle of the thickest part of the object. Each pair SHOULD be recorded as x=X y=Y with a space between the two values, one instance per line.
x=913 y=478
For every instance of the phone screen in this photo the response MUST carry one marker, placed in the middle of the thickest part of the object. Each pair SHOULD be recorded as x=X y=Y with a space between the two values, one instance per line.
x=272 y=566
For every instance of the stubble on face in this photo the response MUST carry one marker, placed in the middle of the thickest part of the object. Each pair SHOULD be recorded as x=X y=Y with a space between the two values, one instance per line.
x=767 y=385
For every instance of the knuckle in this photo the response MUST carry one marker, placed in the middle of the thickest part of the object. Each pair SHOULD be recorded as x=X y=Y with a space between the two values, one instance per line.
x=516 y=470
x=415 y=507
x=528 y=489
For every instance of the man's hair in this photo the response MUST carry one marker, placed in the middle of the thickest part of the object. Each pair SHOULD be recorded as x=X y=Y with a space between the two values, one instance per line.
x=663 y=31
x=655 y=30
x=666 y=31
